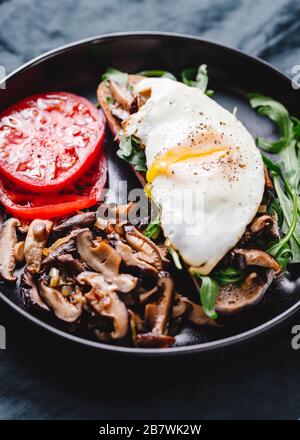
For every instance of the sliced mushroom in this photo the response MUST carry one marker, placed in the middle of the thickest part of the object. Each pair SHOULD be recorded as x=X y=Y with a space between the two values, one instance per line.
x=268 y=181
x=19 y=252
x=65 y=248
x=182 y=306
x=264 y=224
x=113 y=218
x=104 y=300
x=149 y=340
x=61 y=306
x=140 y=243
x=120 y=113
x=198 y=317
x=79 y=221
x=8 y=241
x=70 y=265
x=135 y=259
x=146 y=295
x=233 y=298
x=29 y=292
x=157 y=315
x=35 y=242
x=192 y=311
x=255 y=257
x=123 y=97
x=136 y=324
x=104 y=259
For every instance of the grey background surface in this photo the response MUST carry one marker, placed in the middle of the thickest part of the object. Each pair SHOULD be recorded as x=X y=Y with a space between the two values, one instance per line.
x=42 y=378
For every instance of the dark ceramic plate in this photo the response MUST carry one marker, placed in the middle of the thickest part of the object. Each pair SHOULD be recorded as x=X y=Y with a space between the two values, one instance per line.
x=78 y=67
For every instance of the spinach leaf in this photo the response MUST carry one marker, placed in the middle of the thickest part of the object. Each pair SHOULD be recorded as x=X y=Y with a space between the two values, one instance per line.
x=115 y=75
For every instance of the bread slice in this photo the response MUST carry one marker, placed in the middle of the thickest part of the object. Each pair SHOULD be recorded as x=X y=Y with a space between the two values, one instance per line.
x=231 y=299
x=103 y=92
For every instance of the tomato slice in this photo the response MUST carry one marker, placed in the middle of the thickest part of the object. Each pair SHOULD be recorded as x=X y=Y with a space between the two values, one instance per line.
x=48 y=140
x=84 y=193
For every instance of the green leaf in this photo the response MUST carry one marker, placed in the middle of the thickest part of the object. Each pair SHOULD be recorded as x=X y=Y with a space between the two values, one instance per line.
x=275 y=209
x=272 y=166
x=277 y=113
x=197 y=78
x=158 y=74
x=131 y=152
x=284 y=256
x=125 y=145
x=115 y=75
x=175 y=257
x=228 y=275
x=153 y=229
x=276 y=248
x=209 y=292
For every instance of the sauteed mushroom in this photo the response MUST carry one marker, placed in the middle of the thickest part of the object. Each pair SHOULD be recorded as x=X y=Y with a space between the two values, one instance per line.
x=104 y=259
x=35 y=242
x=142 y=244
x=157 y=315
x=255 y=257
x=135 y=259
x=264 y=224
x=233 y=298
x=29 y=292
x=83 y=220
x=8 y=241
x=123 y=97
x=104 y=300
x=60 y=305
x=19 y=251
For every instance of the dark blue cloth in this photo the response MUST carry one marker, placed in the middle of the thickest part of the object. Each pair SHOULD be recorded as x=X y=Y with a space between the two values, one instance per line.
x=42 y=379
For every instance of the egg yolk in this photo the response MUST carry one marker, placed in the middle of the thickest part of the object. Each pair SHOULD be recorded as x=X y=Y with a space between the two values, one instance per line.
x=162 y=164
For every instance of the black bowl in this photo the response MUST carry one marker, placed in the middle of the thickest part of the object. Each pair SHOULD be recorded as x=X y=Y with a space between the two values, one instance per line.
x=78 y=67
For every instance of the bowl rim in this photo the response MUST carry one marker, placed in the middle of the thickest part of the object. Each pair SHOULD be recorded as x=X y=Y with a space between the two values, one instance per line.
x=186 y=349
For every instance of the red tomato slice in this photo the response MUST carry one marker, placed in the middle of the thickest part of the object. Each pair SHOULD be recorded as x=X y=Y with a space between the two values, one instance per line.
x=49 y=140
x=84 y=193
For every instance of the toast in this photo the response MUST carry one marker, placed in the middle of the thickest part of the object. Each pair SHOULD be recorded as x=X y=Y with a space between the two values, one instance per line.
x=232 y=298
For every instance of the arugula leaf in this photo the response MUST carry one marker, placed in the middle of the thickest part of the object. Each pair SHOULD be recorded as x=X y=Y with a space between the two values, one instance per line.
x=277 y=113
x=153 y=229
x=275 y=209
x=158 y=74
x=200 y=80
x=125 y=145
x=276 y=248
x=209 y=292
x=115 y=75
x=131 y=152
x=286 y=177
x=228 y=275
x=175 y=257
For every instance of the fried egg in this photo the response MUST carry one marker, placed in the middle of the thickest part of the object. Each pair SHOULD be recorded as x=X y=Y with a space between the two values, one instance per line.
x=204 y=170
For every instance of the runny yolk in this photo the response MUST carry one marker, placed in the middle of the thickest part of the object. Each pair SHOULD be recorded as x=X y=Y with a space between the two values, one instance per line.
x=162 y=164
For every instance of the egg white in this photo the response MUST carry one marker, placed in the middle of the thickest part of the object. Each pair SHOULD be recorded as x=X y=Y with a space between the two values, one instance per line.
x=225 y=188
